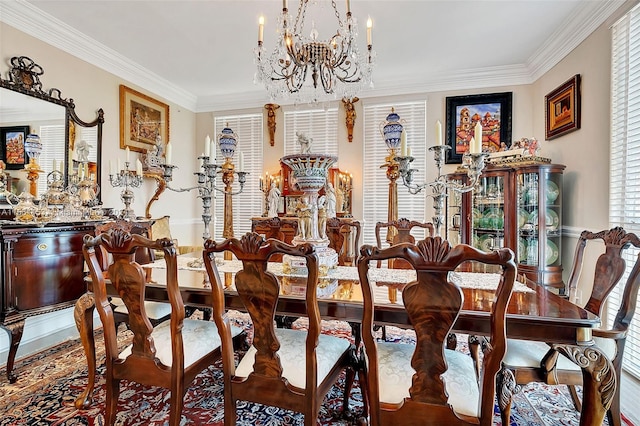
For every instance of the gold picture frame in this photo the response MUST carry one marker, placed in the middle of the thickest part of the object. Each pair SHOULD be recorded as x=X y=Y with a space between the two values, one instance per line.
x=144 y=121
x=562 y=109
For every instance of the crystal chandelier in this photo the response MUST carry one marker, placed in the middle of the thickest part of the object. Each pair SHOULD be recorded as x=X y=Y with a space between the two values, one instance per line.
x=308 y=69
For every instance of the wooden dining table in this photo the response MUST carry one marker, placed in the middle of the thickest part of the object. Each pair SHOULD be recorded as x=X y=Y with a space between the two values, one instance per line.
x=534 y=313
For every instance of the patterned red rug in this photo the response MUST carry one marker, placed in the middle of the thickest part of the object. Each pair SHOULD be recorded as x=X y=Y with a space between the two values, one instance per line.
x=49 y=381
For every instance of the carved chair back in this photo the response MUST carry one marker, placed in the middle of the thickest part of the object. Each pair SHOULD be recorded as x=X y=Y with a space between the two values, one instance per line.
x=336 y=230
x=401 y=234
x=259 y=290
x=283 y=229
x=432 y=303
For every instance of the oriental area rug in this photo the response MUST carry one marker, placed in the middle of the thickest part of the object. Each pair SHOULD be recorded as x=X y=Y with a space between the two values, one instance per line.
x=49 y=381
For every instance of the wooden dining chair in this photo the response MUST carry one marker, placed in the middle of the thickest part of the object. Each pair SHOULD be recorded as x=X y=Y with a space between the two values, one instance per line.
x=425 y=383
x=530 y=361
x=290 y=369
x=169 y=355
x=157 y=312
x=280 y=228
x=337 y=227
x=401 y=234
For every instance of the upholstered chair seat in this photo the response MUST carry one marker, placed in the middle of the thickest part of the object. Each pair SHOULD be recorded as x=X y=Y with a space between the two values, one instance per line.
x=395 y=375
x=292 y=355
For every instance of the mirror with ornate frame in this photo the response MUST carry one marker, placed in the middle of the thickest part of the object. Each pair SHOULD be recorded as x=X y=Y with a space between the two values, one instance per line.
x=67 y=141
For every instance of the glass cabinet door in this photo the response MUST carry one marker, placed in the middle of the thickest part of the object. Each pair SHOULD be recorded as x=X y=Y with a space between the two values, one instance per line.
x=539 y=224
x=488 y=213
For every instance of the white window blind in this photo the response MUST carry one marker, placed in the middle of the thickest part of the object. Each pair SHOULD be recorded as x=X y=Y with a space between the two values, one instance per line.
x=624 y=201
x=375 y=183
x=53 y=138
x=250 y=202
x=319 y=124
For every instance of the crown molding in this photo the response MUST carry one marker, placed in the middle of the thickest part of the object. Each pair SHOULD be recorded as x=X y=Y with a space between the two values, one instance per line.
x=569 y=36
x=36 y=23
x=33 y=21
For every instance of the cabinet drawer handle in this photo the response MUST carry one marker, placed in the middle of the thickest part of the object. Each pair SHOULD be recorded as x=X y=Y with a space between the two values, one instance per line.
x=42 y=246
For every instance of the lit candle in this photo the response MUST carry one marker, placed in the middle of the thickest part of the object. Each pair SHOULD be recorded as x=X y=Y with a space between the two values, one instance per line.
x=241 y=162
x=128 y=154
x=111 y=171
x=138 y=167
x=260 y=29
x=369 y=25
x=477 y=133
x=438 y=133
x=403 y=143
x=207 y=146
x=168 y=153
x=472 y=146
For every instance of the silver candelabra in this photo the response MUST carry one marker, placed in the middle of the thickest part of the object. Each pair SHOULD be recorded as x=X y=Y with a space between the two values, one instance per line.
x=474 y=163
x=207 y=184
x=128 y=179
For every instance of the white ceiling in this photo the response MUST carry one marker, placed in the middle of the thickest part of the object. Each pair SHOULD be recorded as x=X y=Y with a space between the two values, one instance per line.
x=199 y=54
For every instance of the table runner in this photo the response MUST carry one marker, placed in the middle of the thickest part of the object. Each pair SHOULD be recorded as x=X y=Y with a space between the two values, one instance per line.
x=475 y=280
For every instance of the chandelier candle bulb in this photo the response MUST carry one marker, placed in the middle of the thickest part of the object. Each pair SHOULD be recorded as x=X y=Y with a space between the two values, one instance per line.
x=119 y=165
x=284 y=4
x=55 y=165
x=369 y=25
x=241 y=162
x=438 y=133
x=408 y=151
x=128 y=154
x=111 y=170
x=260 y=29
x=207 y=146
x=167 y=154
x=138 y=167
x=478 y=134
x=348 y=6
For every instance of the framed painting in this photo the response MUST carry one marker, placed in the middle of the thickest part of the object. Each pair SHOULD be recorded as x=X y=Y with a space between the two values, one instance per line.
x=493 y=111
x=562 y=109
x=144 y=122
x=13 y=151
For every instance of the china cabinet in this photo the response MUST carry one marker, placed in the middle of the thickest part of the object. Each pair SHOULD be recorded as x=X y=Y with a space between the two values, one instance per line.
x=518 y=206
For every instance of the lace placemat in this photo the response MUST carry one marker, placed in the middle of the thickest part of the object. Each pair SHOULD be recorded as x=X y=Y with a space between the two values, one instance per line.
x=474 y=280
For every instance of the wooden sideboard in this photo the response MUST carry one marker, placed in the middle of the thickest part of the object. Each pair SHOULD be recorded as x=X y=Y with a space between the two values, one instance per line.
x=42 y=271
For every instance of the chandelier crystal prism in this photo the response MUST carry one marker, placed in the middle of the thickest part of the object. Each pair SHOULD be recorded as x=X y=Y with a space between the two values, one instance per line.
x=308 y=69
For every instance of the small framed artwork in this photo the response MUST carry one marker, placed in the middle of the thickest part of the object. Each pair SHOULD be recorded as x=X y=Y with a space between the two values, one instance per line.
x=492 y=110
x=562 y=109
x=144 y=121
x=13 y=152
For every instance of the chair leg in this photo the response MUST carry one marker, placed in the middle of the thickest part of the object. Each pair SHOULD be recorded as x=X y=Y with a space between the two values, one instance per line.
x=506 y=387
x=176 y=403
x=364 y=387
x=111 y=405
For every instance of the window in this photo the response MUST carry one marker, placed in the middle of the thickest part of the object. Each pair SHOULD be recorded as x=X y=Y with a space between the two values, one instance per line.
x=53 y=137
x=318 y=124
x=624 y=204
x=250 y=202
x=376 y=185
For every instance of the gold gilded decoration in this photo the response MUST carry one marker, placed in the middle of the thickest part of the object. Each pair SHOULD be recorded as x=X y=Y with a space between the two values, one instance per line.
x=271 y=121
